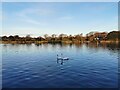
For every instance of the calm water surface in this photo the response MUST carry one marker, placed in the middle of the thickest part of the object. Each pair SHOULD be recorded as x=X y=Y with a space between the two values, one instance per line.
x=36 y=66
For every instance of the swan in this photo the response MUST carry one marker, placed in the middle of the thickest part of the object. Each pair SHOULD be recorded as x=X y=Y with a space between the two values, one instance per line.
x=65 y=58
x=62 y=58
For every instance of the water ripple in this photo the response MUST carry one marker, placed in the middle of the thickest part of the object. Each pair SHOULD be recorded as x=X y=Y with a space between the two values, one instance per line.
x=37 y=68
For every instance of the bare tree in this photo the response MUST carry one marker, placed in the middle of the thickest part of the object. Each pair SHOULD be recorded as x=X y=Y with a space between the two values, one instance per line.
x=46 y=36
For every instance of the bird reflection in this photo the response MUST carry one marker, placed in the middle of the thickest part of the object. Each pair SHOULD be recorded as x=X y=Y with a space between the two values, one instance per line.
x=61 y=61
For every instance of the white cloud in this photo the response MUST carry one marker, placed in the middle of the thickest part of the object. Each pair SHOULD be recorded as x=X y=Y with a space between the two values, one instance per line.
x=35 y=11
x=28 y=15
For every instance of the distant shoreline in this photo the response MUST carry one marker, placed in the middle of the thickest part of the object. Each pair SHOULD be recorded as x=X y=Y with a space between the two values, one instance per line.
x=63 y=42
x=91 y=37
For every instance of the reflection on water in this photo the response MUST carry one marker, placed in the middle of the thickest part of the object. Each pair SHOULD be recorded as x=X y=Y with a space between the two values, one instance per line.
x=112 y=46
x=36 y=65
x=61 y=61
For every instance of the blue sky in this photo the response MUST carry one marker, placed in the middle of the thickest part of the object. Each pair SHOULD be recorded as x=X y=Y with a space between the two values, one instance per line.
x=39 y=18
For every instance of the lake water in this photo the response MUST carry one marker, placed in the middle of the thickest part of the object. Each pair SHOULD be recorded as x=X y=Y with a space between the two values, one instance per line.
x=36 y=66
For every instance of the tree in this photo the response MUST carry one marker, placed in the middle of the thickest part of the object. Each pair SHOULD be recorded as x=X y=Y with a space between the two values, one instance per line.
x=78 y=37
x=46 y=36
x=70 y=37
x=28 y=37
x=4 y=38
x=39 y=38
x=16 y=37
x=114 y=35
x=91 y=33
x=53 y=37
x=11 y=38
x=62 y=36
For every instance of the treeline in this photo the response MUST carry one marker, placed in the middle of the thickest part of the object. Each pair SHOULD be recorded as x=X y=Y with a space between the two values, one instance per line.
x=113 y=36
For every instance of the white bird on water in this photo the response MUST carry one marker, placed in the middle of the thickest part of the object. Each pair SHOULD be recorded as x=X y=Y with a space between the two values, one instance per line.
x=62 y=58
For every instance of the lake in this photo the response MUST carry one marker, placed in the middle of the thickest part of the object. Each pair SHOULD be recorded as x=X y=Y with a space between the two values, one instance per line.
x=36 y=66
